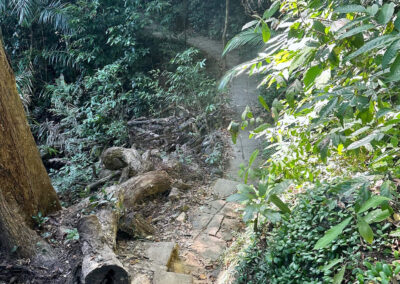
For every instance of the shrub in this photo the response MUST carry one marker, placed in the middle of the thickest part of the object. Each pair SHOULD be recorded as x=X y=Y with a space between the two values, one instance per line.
x=287 y=254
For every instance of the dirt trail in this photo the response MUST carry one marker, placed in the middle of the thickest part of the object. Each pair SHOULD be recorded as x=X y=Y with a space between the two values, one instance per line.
x=242 y=92
x=203 y=231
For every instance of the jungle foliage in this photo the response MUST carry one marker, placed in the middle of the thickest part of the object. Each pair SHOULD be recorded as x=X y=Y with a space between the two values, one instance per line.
x=84 y=68
x=336 y=115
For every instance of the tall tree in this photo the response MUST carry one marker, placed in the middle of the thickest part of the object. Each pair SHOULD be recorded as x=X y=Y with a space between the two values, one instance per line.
x=224 y=34
x=25 y=188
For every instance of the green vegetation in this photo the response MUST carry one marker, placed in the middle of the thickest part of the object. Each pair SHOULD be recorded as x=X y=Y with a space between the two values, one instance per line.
x=85 y=68
x=336 y=116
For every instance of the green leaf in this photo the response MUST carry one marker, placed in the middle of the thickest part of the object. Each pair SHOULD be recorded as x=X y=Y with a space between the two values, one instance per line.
x=372 y=44
x=266 y=32
x=390 y=53
x=350 y=9
x=233 y=128
x=332 y=263
x=366 y=140
x=338 y=278
x=302 y=58
x=272 y=10
x=262 y=127
x=397 y=22
x=279 y=203
x=290 y=98
x=311 y=75
x=281 y=187
x=376 y=216
x=365 y=230
x=326 y=110
x=372 y=202
x=263 y=102
x=372 y=10
x=394 y=74
x=253 y=157
x=332 y=234
x=385 y=13
x=395 y=233
x=356 y=31
x=318 y=26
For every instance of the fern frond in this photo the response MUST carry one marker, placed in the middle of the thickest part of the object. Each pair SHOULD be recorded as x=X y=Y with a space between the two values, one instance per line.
x=252 y=37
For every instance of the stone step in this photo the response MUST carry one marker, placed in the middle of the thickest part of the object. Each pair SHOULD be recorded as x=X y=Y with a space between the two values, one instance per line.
x=164 y=277
x=224 y=188
x=161 y=253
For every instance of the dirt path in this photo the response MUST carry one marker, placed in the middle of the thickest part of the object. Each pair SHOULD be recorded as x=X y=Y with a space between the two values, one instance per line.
x=242 y=92
x=189 y=247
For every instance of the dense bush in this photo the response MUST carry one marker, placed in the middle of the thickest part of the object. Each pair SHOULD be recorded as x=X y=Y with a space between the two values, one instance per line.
x=287 y=254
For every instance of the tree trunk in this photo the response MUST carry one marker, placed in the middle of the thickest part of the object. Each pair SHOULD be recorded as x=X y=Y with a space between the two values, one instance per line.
x=225 y=32
x=25 y=188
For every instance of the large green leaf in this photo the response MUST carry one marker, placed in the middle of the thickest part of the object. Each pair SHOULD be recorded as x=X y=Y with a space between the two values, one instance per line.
x=338 y=278
x=311 y=75
x=302 y=58
x=394 y=74
x=385 y=13
x=266 y=32
x=350 y=9
x=365 y=230
x=253 y=157
x=272 y=10
x=372 y=202
x=390 y=53
x=362 y=142
x=326 y=110
x=372 y=44
x=355 y=31
x=263 y=103
x=262 y=127
x=397 y=22
x=279 y=203
x=233 y=128
x=332 y=234
x=376 y=216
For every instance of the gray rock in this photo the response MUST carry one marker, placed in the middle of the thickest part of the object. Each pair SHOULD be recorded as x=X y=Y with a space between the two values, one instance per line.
x=181 y=218
x=175 y=194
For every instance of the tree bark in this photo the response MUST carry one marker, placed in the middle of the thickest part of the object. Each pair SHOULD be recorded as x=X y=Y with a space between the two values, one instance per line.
x=25 y=188
x=224 y=40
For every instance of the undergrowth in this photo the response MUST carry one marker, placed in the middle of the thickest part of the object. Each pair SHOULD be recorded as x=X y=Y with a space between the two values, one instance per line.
x=286 y=254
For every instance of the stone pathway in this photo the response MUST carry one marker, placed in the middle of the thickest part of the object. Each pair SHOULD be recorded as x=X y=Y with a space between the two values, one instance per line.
x=209 y=227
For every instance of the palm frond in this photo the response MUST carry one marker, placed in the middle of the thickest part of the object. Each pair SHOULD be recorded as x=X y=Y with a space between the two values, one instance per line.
x=237 y=70
x=54 y=13
x=59 y=57
x=252 y=37
x=3 y=5
x=24 y=10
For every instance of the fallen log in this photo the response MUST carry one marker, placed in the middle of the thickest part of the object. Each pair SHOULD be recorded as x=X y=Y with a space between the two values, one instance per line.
x=138 y=188
x=100 y=264
x=116 y=158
